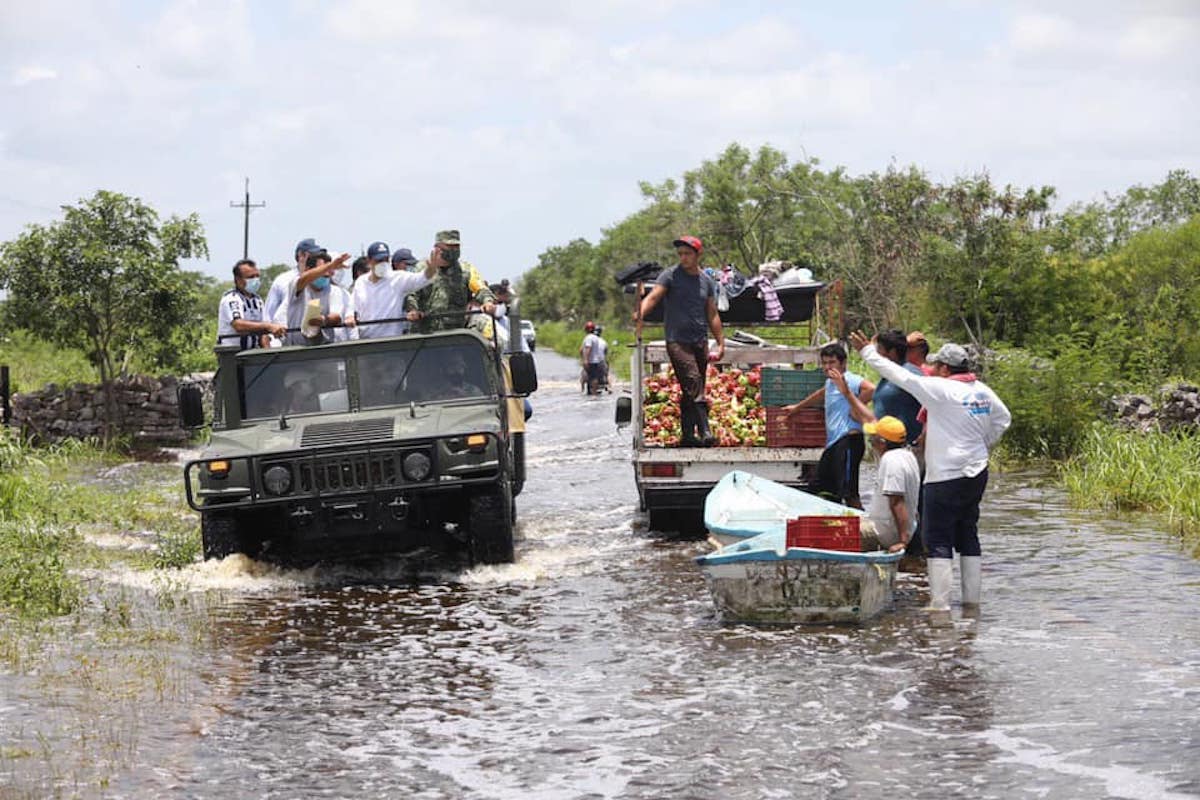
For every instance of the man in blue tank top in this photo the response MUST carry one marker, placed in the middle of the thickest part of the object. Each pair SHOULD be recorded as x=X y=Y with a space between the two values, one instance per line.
x=837 y=472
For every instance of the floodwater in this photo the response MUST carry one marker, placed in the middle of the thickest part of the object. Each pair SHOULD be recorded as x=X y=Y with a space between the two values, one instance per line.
x=595 y=667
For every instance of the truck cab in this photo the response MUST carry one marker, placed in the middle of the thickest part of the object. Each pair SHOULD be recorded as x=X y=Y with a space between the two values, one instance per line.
x=359 y=448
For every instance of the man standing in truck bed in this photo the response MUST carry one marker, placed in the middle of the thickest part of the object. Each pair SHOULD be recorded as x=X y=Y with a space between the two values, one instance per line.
x=689 y=303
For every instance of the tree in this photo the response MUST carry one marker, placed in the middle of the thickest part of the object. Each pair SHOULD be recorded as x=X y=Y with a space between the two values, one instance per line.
x=106 y=279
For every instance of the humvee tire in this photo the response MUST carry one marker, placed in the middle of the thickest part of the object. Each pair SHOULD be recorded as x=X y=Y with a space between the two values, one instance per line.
x=219 y=534
x=491 y=526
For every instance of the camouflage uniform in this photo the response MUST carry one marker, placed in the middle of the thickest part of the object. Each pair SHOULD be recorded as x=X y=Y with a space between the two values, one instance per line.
x=452 y=289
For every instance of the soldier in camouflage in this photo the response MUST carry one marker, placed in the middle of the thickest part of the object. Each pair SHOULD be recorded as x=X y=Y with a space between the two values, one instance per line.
x=456 y=285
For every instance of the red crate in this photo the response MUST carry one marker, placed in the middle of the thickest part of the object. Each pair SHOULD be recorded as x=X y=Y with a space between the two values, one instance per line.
x=805 y=428
x=825 y=533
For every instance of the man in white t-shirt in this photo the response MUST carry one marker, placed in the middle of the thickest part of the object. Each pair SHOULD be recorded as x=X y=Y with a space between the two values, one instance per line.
x=315 y=285
x=966 y=419
x=240 y=314
x=285 y=282
x=591 y=352
x=379 y=294
x=893 y=506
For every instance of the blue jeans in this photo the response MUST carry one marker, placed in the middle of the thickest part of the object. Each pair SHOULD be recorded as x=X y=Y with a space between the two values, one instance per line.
x=952 y=516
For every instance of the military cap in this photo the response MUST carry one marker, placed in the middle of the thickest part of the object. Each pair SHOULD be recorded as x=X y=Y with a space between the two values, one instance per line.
x=447 y=237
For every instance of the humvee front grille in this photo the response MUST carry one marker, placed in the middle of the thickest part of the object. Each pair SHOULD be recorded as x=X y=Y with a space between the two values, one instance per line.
x=359 y=431
x=351 y=472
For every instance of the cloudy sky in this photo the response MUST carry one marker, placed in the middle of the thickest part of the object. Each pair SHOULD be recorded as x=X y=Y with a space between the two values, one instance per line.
x=527 y=124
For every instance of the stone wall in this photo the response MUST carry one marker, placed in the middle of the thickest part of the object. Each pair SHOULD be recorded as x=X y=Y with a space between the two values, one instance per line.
x=147 y=411
x=1177 y=406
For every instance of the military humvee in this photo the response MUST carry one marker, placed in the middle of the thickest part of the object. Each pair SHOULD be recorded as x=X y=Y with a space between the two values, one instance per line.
x=366 y=447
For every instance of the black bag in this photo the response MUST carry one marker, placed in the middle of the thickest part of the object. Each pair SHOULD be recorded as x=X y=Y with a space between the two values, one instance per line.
x=643 y=271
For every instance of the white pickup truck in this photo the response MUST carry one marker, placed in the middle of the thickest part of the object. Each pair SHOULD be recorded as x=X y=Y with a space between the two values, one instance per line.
x=672 y=482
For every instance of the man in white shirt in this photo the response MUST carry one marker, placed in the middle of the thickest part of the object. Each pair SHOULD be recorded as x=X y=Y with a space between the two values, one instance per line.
x=315 y=285
x=893 y=507
x=379 y=294
x=966 y=419
x=240 y=314
x=285 y=282
x=592 y=353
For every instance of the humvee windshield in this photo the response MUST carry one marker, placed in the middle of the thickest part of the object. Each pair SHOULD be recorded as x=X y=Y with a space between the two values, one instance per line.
x=375 y=378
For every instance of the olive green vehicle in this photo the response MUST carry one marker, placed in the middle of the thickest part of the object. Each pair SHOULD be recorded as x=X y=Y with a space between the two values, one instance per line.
x=361 y=448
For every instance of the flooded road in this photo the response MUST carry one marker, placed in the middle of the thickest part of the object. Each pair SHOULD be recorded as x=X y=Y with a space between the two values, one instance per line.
x=594 y=667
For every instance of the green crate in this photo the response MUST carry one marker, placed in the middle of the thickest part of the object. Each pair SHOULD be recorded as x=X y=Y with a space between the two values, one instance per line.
x=781 y=387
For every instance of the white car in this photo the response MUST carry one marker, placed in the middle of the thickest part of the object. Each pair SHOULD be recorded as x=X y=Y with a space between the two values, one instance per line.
x=530 y=334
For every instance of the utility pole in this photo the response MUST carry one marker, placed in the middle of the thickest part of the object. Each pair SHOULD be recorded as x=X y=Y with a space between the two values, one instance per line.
x=247 y=205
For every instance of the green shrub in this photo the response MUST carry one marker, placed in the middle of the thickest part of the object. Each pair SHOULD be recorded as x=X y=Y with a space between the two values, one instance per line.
x=1053 y=401
x=34 y=581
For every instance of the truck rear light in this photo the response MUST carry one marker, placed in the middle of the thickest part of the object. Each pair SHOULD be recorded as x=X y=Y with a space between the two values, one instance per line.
x=661 y=470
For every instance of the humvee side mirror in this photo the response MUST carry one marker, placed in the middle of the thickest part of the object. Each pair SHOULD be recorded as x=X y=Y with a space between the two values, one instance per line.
x=624 y=410
x=524 y=373
x=191 y=406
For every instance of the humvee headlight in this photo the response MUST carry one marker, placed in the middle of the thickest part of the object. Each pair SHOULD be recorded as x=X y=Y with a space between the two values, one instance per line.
x=277 y=480
x=218 y=469
x=416 y=466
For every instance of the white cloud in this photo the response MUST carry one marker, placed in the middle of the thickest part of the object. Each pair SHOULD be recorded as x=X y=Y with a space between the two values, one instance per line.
x=27 y=75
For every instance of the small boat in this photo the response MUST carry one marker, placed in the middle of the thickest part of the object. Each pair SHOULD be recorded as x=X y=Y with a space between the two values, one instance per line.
x=742 y=505
x=762 y=580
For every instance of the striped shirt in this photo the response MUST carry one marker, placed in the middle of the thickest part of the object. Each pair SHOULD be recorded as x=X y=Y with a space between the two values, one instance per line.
x=236 y=304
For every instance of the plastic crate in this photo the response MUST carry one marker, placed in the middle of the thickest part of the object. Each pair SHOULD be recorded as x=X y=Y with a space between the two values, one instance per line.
x=782 y=387
x=825 y=533
x=805 y=428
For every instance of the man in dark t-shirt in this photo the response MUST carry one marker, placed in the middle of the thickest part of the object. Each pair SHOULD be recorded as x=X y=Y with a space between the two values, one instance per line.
x=689 y=303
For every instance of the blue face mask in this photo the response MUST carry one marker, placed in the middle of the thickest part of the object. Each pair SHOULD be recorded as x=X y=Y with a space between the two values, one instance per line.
x=321 y=283
x=252 y=285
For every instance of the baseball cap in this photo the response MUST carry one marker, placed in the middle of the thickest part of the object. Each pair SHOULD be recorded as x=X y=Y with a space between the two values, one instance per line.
x=889 y=428
x=378 y=251
x=308 y=246
x=447 y=237
x=950 y=354
x=403 y=254
x=690 y=241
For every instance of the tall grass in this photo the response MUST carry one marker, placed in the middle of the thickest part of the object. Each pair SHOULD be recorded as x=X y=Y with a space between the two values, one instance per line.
x=1129 y=470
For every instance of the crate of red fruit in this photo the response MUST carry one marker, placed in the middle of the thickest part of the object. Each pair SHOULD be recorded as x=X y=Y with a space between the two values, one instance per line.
x=805 y=428
x=782 y=387
x=824 y=533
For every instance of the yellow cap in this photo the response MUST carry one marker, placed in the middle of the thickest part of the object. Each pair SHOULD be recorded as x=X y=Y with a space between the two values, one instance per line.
x=889 y=428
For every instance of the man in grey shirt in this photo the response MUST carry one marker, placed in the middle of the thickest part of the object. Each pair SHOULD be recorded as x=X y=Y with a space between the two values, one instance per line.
x=689 y=303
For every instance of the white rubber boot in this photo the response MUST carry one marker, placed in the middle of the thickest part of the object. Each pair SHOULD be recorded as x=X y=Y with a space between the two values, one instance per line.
x=941 y=576
x=971 y=571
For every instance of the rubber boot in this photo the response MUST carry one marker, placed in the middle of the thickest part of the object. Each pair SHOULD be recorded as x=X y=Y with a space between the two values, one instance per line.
x=687 y=420
x=971 y=571
x=706 y=436
x=941 y=577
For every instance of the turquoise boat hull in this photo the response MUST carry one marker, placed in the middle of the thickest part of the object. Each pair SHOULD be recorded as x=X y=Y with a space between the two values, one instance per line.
x=761 y=580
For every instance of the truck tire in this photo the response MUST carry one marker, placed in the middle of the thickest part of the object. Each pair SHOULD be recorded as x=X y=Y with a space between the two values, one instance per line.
x=219 y=534
x=518 y=443
x=491 y=526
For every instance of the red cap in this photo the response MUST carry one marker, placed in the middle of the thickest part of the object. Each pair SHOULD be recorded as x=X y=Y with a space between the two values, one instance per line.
x=690 y=241
x=589 y=326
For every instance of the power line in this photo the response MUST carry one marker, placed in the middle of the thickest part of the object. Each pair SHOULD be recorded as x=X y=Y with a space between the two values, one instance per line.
x=246 y=205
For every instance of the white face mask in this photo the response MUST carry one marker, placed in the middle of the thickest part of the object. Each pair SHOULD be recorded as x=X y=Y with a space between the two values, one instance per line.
x=381 y=269
x=252 y=285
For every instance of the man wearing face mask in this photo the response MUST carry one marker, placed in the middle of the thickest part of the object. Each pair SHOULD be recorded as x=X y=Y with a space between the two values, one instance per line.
x=381 y=292
x=316 y=302
x=453 y=288
x=240 y=315
x=285 y=282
